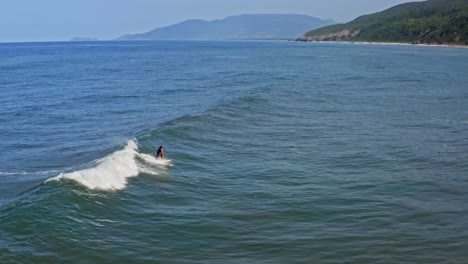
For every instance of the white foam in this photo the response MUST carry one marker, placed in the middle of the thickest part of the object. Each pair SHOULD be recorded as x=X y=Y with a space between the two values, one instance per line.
x=154 y=161
x=29 y=173
x=14 y=173
x=110 y=172
x=151 y=165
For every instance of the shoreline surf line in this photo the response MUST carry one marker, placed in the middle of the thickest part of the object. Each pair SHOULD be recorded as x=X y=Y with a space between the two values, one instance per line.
x=390 y=43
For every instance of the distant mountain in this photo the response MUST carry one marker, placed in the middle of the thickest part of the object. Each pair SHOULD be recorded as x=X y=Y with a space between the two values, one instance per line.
x=235 y=27
x=428 y=22
x=83 y=39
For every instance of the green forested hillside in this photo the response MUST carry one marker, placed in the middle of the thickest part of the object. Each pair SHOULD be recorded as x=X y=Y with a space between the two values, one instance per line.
x=428 y=22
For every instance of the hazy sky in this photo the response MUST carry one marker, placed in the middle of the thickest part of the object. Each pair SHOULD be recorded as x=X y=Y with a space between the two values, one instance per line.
x=42 y=20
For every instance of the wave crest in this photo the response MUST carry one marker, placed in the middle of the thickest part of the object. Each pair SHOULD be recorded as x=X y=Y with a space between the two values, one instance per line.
x=112 y=171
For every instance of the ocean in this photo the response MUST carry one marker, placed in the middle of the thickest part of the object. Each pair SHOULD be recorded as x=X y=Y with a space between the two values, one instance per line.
x=278 y=152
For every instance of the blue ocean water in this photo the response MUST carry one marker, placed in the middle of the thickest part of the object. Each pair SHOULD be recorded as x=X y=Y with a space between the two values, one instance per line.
x=280 y=152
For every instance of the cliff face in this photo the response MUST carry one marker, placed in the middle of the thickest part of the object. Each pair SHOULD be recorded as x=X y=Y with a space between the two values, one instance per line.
x=336 y=36
x=427 y=22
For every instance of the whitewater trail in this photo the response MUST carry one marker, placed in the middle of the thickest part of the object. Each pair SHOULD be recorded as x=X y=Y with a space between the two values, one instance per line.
x=113 y=171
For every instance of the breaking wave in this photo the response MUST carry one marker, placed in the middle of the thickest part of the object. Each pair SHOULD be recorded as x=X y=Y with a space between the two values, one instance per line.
x=113 y=171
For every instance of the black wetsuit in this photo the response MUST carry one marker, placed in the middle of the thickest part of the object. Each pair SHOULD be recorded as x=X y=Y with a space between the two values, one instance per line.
x=160 y=153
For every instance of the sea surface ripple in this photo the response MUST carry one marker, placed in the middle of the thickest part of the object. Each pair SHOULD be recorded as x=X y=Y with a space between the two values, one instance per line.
x=279 y=153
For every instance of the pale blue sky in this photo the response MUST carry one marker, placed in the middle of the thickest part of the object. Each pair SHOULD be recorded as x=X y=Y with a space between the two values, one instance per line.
x=52 y=20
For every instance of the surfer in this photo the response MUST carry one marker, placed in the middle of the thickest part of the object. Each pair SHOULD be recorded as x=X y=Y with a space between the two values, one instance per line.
x=160 y=153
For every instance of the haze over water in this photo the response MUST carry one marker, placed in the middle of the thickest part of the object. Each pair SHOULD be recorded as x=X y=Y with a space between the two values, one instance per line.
x=280 y=153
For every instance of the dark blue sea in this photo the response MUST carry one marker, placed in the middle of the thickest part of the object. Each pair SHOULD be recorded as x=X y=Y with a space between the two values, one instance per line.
x=276 y=152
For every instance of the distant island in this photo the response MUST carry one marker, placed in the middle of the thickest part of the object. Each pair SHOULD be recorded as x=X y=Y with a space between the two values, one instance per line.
x=259 y=26
x=84 y=39
x=429 y=22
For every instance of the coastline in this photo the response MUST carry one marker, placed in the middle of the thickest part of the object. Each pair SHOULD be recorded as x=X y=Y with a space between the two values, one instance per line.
x=391 y=43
